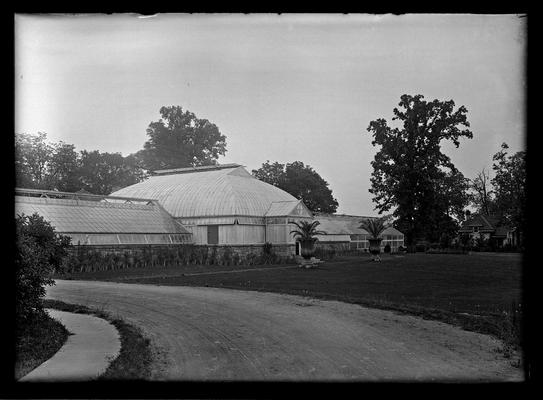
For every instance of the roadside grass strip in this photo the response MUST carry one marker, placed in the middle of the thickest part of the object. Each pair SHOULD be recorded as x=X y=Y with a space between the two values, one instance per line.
x=135 y=356
x=85 y=355
x=36 y=342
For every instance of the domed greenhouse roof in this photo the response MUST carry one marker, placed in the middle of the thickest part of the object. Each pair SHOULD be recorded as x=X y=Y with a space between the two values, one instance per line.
x=208 y=191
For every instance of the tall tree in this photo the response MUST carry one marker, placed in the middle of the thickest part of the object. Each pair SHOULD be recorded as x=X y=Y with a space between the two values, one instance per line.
x=411 y=173
x=444 y=203
x=180 y=139
x=274 y=174
x=32 y=159
x=301 y=181
x=63 y=168
x=43 y=165
x=510 y=186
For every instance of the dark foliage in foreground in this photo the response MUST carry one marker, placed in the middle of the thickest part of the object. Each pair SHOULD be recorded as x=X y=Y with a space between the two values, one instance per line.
x=39 y=253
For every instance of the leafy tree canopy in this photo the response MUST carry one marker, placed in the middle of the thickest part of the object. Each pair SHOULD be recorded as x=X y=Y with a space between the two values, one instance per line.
x=103 y=173
x=301 y=181
x=375 y=226
x=509 y=185
x=412 y=174
x=306 y=230
x=180 y=139
x=57 y=166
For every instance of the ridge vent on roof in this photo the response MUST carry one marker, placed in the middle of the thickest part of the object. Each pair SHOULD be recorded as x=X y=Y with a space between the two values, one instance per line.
x=55 y=194
x=194 y=169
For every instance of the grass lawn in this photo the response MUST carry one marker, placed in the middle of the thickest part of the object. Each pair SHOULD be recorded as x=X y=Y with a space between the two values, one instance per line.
x=472 y=291
x=36 y=342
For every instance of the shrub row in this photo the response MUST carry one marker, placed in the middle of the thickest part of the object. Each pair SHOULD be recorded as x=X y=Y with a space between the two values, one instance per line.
x=326 y=253
x=86 y=259
x=479 y=245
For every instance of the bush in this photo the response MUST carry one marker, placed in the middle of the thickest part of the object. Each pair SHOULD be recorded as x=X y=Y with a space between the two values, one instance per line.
x=481 y=244
x=227 y=256
x=508 y=248
x=421 y=246
x=268 y=255
x=444 y=242
x=326 y=253
x=252 y=259
x=465 y=241
x=40 y=252
x=387 y=248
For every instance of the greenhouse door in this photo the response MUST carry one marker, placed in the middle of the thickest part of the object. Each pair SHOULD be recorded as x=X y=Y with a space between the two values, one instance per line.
x=298 y=248
x=213 y=234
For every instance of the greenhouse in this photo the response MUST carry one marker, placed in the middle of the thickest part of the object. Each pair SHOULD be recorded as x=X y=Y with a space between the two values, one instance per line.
x=344 y=231
x=224 y=205
x=221 y=207
x=103 y=220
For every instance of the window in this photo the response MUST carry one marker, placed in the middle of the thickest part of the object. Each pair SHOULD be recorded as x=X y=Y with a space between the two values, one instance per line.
x=359 y=241
x=180 y=238
x=213 y=234
x=158 y=239
x=475 y=229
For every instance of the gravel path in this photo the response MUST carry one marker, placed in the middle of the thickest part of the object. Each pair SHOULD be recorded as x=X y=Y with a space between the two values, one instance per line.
x=222 y=334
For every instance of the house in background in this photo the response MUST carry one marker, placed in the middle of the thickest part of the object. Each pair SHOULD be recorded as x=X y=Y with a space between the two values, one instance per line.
x=490 y=228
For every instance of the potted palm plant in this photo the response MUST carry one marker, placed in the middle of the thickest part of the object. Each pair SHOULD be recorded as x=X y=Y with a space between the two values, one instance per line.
x=305 y=234
x=375 y=227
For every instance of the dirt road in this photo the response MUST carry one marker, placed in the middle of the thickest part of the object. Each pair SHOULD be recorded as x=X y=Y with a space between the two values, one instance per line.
x=221 y=334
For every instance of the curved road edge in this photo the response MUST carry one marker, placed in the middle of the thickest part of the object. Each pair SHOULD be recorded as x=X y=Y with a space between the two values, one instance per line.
x=225 y=334
x=92 y=345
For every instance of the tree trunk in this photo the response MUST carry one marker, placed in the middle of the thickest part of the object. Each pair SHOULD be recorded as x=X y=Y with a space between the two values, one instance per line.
x=375 y=247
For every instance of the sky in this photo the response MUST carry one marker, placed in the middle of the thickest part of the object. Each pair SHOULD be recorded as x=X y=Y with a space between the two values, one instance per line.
x=290 y=87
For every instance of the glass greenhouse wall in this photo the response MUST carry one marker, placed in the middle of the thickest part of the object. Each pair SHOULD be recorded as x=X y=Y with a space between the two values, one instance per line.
x=103 y=220
x=112 y=239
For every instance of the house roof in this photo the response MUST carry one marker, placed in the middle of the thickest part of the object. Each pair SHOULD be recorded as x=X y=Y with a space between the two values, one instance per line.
x=334 y=224
x=486 y=223
x=74 y=215
x=223 y=190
